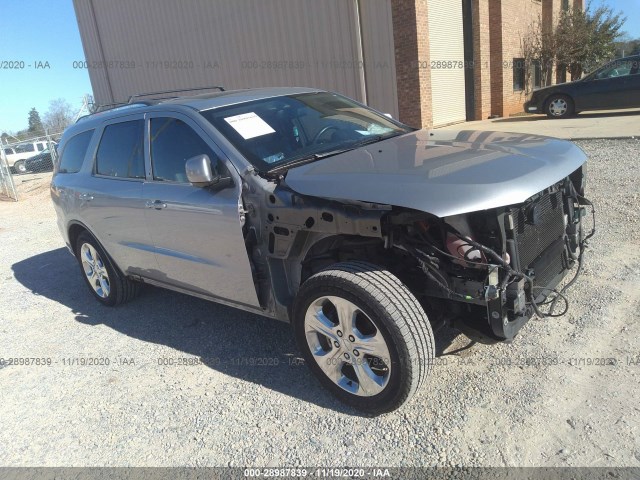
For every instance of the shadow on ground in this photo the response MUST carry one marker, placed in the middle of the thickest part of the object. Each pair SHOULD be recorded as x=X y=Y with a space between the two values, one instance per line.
x=227 y=339
x=580 y=116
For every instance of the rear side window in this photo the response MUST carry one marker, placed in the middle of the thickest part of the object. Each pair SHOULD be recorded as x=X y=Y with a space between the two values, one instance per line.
x=74 y=152
x=25 y=148
x=121 y=151
x=172 y=143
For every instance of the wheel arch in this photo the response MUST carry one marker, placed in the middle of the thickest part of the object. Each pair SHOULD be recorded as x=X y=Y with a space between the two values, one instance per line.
x=74 y=230
x=563 y=93
x=329 y=249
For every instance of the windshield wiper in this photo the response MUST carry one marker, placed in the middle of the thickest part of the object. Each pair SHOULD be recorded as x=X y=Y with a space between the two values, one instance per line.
x=319 y=156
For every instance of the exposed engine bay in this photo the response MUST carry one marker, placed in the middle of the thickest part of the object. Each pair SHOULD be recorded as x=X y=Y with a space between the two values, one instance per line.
x=508 y=261
x=486 y=272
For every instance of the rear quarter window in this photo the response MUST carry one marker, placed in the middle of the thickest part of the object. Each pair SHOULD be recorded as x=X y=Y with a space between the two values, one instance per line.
x=74 y=152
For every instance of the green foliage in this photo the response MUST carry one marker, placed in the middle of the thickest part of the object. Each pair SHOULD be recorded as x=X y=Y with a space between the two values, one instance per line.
x=586 y=38
x=35 y=124
x=581 y=41
x=627 y=47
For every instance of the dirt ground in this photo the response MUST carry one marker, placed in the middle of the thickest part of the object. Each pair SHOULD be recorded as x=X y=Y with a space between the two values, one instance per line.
x=564 y=393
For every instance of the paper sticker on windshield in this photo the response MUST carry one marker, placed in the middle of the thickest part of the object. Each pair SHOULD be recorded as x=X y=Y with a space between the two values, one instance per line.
x=249 y=125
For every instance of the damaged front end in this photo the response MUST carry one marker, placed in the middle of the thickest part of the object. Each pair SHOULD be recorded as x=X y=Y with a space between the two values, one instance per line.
x=492 y=270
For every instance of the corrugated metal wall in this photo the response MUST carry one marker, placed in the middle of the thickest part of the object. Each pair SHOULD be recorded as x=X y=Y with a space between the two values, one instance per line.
x=151 y=45
x=379 y=55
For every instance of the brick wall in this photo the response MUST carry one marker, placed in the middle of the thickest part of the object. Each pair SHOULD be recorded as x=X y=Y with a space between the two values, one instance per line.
x=518 y=18
x=498 y=29
x=481 y=58
x=411 y=39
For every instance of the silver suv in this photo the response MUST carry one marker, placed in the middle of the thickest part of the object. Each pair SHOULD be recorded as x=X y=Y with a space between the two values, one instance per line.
x=310 y=208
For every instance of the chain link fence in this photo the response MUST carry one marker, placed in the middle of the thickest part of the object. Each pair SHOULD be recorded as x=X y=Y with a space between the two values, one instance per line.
x=7 y=187
x=27 y=160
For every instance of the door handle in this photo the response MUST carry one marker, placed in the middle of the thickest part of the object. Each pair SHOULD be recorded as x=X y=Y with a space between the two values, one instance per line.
x=158 y=204
x=86 y=196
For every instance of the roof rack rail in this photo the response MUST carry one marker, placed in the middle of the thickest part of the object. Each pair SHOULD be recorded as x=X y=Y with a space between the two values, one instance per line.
x=105 y=107
x=138 y=95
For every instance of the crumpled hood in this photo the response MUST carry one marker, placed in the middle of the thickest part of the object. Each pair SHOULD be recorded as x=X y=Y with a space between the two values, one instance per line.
x=441 y=172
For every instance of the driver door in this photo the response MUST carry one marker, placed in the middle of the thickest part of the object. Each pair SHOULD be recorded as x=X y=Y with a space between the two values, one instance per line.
x=196 y=232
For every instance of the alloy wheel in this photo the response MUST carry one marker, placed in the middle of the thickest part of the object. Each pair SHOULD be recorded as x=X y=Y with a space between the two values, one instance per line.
x=348 y=346
x=95 y=270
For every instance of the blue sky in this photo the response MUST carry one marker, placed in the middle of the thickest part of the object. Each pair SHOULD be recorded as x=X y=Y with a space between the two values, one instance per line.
x=46 y=31
x=39 y=31
x=630 y=9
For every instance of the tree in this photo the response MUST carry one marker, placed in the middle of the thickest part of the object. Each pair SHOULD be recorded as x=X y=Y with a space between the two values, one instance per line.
x=627 y=46
x=539 y=48
x=59 y=116
x=586 y=38
x=35 y=124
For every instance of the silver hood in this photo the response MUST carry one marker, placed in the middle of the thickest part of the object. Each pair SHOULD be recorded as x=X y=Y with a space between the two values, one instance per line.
x=442 y=172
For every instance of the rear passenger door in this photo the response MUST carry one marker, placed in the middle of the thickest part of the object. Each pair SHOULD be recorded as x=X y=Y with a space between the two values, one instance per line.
x=111 y=196
x=196 y=231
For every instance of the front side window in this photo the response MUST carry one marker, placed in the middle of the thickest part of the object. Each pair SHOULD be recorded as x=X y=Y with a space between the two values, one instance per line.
x=273 y=132
x=173 y=142
x=618 y=69
x=121 y=150
x=74 y=152
x=40 y=147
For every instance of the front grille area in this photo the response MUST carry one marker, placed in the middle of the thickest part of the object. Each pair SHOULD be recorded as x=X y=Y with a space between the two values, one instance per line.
x=537 y=226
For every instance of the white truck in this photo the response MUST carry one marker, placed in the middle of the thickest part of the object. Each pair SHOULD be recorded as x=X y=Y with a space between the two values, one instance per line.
x=17 y=154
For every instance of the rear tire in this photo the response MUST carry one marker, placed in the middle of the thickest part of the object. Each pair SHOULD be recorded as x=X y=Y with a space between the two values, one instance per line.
x=105 y=281
x=364 y=335
x=19 y=167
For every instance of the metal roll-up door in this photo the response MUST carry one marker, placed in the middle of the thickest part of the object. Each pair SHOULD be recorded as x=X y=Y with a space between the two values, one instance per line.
x=446 y=44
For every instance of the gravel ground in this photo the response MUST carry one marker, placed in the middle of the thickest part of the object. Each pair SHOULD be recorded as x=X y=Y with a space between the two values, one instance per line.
x=546 y=399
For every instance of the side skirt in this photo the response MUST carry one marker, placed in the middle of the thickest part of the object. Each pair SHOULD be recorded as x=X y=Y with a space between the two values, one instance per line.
x=211 y=298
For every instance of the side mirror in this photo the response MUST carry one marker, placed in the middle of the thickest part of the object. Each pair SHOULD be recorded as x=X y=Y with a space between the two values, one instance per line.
x=199 y=171
x=388 y=115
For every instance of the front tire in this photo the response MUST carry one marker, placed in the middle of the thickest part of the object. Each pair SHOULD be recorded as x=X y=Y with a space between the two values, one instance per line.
x=364 y=335
x=107 y=284
x=559 y=106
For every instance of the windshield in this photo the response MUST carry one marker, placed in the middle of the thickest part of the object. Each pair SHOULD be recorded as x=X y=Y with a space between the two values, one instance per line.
x=275 y=131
